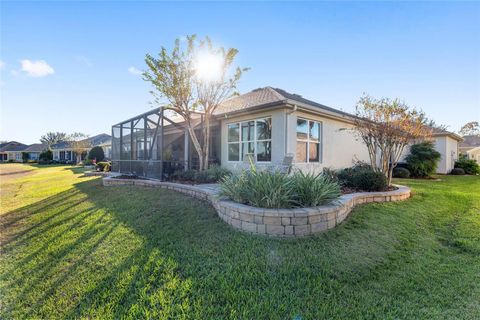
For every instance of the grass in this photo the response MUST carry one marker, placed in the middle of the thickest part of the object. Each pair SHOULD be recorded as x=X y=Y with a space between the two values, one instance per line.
x=74 y=249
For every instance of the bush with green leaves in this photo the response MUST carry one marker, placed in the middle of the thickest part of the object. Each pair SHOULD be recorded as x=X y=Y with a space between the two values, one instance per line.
x=470 y=166
x=274 y=189
x=45 y=156
x=401 y=173
x=213 y=174
x=103 y=166
x=457 y=172
x=363 y=178
x=423 y=160
x=96 y=153
x=313 y=190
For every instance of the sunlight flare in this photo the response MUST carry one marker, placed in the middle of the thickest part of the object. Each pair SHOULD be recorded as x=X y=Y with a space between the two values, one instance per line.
x=208 y=67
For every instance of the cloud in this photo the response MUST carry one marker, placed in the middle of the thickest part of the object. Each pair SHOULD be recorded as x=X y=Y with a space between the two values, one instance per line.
x=134 y=71
x=37 y=68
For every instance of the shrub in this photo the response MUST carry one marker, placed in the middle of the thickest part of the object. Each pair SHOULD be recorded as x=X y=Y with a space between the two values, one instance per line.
x=423 y=159
x=213 y=174
x=457 y=171
x=313 y=190
x=264 y=189
x=330 y=174
x=45 y=156
x=470 y=166
x=101 y=166
x=87 y=162
x=362 y=177
x=181 y=175
x=401 y=173
x=274 y=189
x=25 y=157
x=96 y=153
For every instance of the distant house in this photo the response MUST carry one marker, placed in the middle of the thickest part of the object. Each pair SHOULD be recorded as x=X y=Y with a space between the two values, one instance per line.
x=63 y=150
x=470 y=147
x=13 y=151
x=267 y=124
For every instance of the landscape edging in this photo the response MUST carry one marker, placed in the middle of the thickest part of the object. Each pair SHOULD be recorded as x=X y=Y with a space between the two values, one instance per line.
x=290 y=223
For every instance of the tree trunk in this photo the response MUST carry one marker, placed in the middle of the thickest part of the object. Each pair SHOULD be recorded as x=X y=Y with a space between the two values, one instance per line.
x=206 y=142
x=196 y=144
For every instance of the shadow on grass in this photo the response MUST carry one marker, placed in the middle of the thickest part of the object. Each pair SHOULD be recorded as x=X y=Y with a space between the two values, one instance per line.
x=132 y=252
x=60 y=241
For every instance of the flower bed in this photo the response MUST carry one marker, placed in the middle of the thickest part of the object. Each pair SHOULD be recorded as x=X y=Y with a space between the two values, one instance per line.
x=290 y=223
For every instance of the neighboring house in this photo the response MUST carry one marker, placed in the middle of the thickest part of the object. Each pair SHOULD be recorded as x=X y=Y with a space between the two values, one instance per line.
x=470 y=146
x=474 y=154
x=63 y=151
x=447 y=144
x=267 y=123
x=34 y=150
x=13 y=151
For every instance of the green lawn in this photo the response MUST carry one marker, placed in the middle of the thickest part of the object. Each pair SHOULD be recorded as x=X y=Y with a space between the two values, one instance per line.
x=74 y=249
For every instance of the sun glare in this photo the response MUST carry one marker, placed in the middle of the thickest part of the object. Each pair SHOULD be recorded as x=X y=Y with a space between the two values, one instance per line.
x=208 y=67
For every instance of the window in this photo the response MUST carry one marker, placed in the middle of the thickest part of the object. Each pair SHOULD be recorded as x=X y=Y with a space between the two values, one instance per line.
x=254 y=137
x=309 y=141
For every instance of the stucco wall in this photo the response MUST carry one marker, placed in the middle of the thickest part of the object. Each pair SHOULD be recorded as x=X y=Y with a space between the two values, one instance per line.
x=278 y=136
x=474 y=154
x=340 y=147
x=448 y=148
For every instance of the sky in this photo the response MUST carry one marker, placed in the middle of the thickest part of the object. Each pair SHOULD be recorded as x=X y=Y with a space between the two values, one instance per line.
x=74 y=66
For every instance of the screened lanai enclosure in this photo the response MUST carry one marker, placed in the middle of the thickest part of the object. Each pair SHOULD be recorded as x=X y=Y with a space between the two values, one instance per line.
x=156 y=145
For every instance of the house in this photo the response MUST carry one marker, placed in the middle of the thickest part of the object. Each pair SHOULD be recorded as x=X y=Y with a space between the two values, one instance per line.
x=446 y=143
x=474 y=154
x=13 y=151
x=267 y=123
x=34 y=150
x=470 y=147
x=64 y=151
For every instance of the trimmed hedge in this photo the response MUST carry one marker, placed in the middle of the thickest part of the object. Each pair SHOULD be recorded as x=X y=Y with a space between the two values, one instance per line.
x=401 y=173
x=457 y=172
x=96 y=153
x=362 y=177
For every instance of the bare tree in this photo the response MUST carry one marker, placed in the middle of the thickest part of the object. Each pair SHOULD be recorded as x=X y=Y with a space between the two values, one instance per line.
x=195 y=81
x=387 y=127
x=79 y=143
x=50 y=138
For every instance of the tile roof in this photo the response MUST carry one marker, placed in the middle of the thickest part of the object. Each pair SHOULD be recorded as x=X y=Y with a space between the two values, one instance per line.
x=12 y=146
x=36 y=147
x=94 y=141
x=269 y=96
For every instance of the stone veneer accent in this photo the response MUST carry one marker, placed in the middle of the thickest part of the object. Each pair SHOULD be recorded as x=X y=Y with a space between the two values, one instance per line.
x=290 y=223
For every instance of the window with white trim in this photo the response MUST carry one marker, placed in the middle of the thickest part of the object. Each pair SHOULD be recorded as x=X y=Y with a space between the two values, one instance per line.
x=254 y=137
x=309 y=141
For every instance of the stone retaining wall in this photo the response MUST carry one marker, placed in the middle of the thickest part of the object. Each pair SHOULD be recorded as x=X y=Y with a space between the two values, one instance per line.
x=290 y=223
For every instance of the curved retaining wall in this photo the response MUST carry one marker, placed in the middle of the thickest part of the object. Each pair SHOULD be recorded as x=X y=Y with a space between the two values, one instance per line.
x=291 y=223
